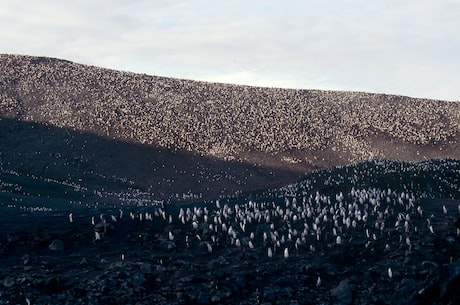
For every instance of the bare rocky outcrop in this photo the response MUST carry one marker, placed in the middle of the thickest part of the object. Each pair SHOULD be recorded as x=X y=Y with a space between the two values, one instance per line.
x=267 y=126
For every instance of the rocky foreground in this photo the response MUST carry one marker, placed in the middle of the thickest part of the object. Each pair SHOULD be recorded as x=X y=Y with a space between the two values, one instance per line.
x=308 y=243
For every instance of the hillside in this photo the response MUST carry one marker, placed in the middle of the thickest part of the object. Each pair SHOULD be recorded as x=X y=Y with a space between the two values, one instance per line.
x=121 y=188
x=274 y=135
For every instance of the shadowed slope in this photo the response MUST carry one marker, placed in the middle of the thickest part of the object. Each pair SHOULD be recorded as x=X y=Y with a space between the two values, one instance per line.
x=296 y=129
x=99 y=163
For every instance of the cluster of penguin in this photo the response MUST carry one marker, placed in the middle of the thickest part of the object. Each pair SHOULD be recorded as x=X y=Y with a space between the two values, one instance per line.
x=377 y=219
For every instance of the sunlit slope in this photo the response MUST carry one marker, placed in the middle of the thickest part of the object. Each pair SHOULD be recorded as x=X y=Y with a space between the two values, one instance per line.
x=298 y=129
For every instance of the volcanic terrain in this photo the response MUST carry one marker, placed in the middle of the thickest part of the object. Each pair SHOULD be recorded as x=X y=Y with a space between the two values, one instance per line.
x=122 y=188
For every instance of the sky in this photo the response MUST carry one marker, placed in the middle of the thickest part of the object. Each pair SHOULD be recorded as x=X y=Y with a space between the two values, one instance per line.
x=405 y=47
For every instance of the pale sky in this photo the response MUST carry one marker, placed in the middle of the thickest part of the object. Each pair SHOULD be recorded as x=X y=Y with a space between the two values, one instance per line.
x=407 y=47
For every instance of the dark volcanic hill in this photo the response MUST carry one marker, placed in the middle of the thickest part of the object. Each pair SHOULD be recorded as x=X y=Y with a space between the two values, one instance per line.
x=70 y=121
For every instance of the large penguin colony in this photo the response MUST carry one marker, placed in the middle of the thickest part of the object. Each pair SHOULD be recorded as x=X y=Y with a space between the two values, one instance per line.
x=227 y=121
x=298 y=245
x=79 y=123
x=83 y=223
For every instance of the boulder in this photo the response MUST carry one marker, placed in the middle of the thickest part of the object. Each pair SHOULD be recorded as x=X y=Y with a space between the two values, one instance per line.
x=56 y=245
x=343 y=293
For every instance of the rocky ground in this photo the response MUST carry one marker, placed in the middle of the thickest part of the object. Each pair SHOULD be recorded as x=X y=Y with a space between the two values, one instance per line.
x=395 y=247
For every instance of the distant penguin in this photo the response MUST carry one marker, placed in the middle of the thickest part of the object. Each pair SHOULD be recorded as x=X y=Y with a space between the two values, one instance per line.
x=286 y=252
x=238 y=243
x=338 y=240
x=444 y=210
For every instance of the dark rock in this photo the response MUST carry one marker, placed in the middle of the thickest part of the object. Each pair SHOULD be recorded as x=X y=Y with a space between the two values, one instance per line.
x=425 y=253
x=241 y=281
x=215 y=299
x=330 y=269
x=105 y=289
x=146 y=268
x=269 y=294
x=179 y=295
x=42 y=235
x=407 y=282
x=26 y=259
x=8 y=282
x=203 y=298
x=454 y=269
x=219 y=273
x=449 y=287
x=83 y=262
x=409 y=260
x=373 y=272
x=343 y=293
x=168 y=245
x=429 y=293
x=56 y=245
x=408 y=286
x=78 y=292
x=12 y=237
x=429 y=264
x=52 y=285
x=138 y=279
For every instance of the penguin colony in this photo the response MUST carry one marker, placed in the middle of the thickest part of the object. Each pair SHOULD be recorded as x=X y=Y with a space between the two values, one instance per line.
x=217 y=119
x=378 y=220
